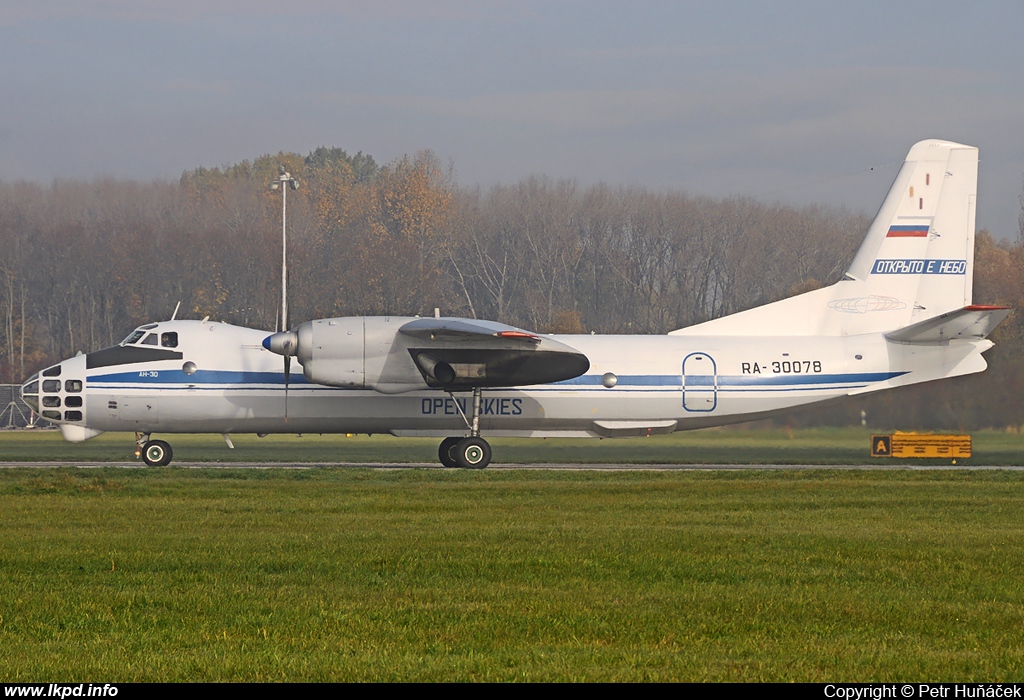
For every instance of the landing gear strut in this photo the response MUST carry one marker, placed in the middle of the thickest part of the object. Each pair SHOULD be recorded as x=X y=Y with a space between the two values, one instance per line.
x=471 y=452
x=155 y=453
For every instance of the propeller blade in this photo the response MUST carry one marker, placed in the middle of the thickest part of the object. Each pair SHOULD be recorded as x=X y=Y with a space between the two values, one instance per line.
x=287 y=376
x=286 y=344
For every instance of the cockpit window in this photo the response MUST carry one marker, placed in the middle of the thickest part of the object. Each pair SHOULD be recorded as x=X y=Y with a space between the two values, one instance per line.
x=149 y=339
x=52 y=371
x=169 y=340
x=133 y=337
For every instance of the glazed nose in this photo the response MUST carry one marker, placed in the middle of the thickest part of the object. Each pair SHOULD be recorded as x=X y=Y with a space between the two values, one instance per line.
x=30 y=392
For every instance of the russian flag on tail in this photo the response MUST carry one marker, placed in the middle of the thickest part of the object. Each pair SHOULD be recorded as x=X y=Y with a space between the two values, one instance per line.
x=911 y=231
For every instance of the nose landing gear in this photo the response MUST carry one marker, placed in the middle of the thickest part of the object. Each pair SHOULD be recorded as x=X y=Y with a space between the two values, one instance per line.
x=155 y=453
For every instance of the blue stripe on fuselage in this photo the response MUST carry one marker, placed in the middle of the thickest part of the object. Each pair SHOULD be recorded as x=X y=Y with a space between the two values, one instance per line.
x=207 y=376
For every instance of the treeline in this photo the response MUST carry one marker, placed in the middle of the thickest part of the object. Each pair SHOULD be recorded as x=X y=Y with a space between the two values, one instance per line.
x=82 y=263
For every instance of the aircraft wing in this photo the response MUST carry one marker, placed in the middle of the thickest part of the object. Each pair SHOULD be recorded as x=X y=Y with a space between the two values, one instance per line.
x=458 y=329
x=968 y=323
x=459 y=353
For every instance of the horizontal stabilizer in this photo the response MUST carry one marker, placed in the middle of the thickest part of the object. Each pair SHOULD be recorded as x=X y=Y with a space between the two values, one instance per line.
x=968 y=323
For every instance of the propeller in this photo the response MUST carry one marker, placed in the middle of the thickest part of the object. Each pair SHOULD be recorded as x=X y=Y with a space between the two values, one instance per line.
x=285 y=344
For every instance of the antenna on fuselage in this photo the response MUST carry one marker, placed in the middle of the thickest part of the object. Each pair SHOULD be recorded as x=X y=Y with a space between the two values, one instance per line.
x=176 y=307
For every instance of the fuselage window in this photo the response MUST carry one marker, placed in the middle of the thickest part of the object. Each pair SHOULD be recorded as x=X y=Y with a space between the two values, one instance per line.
x=169 y=340
x=72 y=415
x=149 y=340
x=51 y=385
x=73 y=402
x=72 y=386
x=133 y=338
x=51 y=401
x=52 y=372
x=32 y=388
x=52 y=415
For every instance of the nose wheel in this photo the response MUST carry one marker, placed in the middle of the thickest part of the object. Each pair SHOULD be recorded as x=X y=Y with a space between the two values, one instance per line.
x=471 y=452
x=155 y=453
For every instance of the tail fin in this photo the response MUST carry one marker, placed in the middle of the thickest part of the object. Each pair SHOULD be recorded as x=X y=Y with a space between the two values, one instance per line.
x=916 y=262
x=920 y=248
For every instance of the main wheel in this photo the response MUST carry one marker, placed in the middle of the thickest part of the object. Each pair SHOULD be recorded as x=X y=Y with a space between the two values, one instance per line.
x=444 y=452
x=472 y=453
x=157 y=453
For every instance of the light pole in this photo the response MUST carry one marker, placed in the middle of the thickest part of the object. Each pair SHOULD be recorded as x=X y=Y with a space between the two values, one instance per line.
x=284 y=181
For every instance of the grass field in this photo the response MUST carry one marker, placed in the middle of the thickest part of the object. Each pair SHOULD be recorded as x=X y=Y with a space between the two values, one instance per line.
x=354 y=574
x=712 y=446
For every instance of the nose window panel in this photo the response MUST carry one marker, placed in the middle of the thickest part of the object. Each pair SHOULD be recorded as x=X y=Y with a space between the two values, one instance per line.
x=73 y=386
x=73 y=402
x=72 y=415
x=51 y=385
x=51 y=401
x=52 y=415
x=31 y=388
x=52 y=371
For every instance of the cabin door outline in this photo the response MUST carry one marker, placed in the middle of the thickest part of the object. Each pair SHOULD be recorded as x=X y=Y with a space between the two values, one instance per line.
x=700 y=383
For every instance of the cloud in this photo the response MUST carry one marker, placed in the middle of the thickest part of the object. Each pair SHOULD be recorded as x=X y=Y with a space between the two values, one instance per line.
x=20 y=11
x=783 y=104
x=578 y=109
x=203 y=88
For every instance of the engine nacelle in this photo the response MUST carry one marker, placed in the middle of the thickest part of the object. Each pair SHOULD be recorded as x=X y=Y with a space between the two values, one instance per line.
x=331 y=352
x=392 y=354
x=357 y=353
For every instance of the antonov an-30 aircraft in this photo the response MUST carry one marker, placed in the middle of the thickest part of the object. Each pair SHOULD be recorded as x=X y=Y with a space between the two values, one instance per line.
x=901 y=315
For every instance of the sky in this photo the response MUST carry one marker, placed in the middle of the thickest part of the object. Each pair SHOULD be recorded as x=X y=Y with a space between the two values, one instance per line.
x=790 y=102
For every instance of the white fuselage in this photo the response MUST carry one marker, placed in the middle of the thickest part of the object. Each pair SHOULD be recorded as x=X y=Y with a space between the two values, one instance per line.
x=901 y=314
x=636 y=385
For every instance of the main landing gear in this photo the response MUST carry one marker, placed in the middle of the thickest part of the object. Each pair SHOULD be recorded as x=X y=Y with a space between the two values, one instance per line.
x=471 y=452
x=155 y=453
